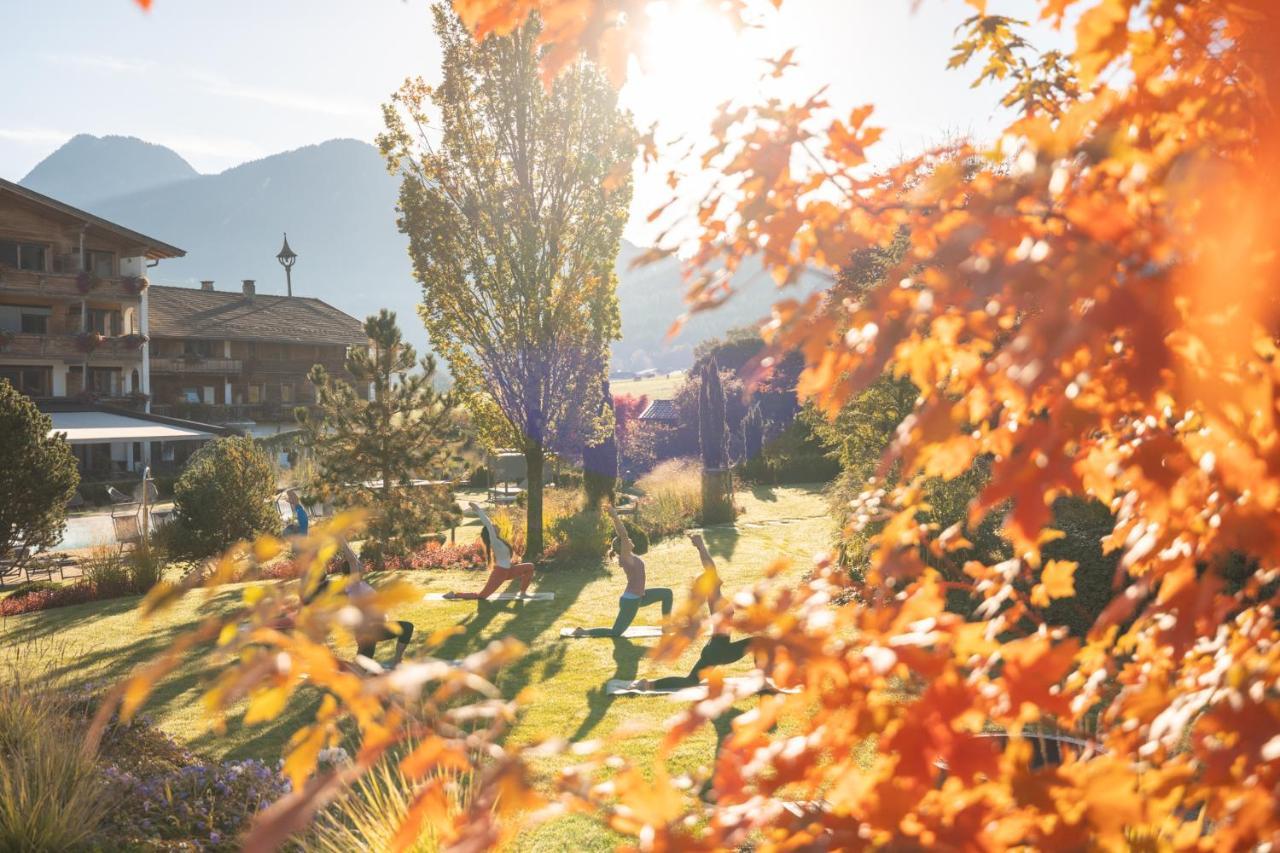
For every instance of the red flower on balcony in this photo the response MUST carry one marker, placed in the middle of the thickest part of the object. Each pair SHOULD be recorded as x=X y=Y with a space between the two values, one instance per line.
x=88 y=341
x=86 y=281
x=133 y=341
x=135 y=284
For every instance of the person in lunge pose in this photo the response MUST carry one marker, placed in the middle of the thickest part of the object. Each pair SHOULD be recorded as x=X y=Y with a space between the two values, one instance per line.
x=502 y=554
x=636 y=595
x=367 y=636
x=719 y=650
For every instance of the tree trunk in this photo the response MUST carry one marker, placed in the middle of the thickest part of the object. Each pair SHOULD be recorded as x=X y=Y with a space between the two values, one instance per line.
x=717 y=495
x=533 y=459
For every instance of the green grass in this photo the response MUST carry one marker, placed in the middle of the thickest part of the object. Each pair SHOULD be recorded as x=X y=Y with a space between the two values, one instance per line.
x=102 y=642
x=660 y=387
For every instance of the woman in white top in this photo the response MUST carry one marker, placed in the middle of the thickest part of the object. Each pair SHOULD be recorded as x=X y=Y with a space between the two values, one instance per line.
x=503 y=571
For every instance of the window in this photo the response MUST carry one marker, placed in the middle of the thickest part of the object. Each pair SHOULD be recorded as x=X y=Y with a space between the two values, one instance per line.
x=35 y=321
x=105 y=380
x=101 y=264
x=286 y=392
x=32 y=381
x=255 y=394
x=105 y=321
x=23 y=256
x=203 y=349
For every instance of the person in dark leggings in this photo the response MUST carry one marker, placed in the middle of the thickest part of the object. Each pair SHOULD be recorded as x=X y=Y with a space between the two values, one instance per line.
x=636 y=594
x=367 y=637
x=719 y=650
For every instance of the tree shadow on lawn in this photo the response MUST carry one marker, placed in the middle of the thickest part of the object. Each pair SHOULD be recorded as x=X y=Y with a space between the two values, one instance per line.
x=765 y=493
x=722 y=542
x=626 y=657
x=55 y=620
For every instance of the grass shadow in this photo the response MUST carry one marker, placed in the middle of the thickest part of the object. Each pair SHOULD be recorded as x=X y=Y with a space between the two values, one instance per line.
x=626 y=659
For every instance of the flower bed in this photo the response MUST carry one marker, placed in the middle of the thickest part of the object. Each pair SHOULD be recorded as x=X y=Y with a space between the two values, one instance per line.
x=43 y=599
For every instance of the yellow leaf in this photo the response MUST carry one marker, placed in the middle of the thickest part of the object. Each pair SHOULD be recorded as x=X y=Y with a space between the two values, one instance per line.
x=227 y=634
x=266 y=705
x=135 y=693
x=1059 y=578
x=266 y=547
x=301 y=760
x=253 y=594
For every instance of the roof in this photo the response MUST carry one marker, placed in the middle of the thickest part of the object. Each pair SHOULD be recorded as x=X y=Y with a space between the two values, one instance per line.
x=187 y=312
x=96 y=427
x=660 y=410
x=155 y=248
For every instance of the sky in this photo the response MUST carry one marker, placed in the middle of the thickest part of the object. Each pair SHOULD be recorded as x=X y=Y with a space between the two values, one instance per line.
x=223 y=82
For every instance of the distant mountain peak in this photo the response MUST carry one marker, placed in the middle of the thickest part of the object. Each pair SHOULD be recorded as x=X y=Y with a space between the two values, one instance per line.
x=87 y=169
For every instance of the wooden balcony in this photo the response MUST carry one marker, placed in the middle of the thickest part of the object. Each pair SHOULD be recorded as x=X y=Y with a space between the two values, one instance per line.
x=68 y=347
x=188 y=366
x=217 y=413
x=63 y=287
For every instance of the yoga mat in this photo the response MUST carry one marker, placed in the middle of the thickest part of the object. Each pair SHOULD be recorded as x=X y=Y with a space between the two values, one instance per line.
x=503 y=596
x=618 y=687
x=633 y=632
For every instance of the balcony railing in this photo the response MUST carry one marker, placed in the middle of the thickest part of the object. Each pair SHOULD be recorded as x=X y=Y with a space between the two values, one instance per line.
x=65 y=286
x=72 y=347
x=198 y=365
x=217 y=413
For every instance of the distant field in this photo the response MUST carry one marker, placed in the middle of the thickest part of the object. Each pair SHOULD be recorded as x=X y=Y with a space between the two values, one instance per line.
x=660 y=387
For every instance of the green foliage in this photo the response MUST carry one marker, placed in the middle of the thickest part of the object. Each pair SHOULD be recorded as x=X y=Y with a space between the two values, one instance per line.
x=600 y=460
x=369 y=447
x=514 y=235
x=796 y=455
x=1083 y=522
x=106 y=570
x=670 y=498
x=38 y=474
x=732 y=352
x=223 y=496
x=638 y=536
x=582 y=535
x=752 y=433
x=51 y=796
x=712 y=428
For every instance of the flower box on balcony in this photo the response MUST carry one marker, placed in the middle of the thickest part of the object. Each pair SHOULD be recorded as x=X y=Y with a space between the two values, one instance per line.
x=88 y=341
x=133 y=341
x=86 y=281
x=135 y=284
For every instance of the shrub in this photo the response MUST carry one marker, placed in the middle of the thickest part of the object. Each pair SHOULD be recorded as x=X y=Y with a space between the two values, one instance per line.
x=145 y=568
x=51 y=798
x=671 y=498
x=206 y=805
x=223 y=496
x=797 y=455
x=38 y=474
x=583 y=535
x=46 y=598
x=469 y=556
x=371 y=813
x=106 y=571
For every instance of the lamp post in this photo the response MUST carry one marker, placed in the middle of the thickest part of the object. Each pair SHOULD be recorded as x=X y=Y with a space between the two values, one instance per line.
x=287 y=258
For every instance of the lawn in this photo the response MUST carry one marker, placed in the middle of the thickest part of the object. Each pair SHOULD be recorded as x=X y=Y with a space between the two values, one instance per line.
x=99 y=643
x=660 y=387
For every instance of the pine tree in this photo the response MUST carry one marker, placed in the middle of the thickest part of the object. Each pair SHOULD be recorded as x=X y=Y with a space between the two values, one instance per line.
x=37 y=475
x=753 y=432
x=370 y=439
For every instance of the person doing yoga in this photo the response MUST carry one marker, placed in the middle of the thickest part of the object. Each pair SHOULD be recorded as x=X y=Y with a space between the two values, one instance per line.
x=719 y=650
x=636 y=595
x=367 y=637
x=502 y=554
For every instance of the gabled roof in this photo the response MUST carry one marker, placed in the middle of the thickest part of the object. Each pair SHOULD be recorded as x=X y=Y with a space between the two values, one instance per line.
x=660 y=410
x=186 y=312
x=155 y=249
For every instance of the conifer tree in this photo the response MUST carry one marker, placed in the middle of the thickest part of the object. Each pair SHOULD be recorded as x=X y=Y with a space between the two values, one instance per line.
x=371 y=438
x=600 y=460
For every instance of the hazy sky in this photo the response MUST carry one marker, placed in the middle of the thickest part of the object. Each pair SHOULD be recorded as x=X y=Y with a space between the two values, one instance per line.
x=225 y=81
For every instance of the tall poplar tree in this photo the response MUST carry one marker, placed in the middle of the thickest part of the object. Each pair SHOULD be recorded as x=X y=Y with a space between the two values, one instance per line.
x=514 y=208
x=372 y=438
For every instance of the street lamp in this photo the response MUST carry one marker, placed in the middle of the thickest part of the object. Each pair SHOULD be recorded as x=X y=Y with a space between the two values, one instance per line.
x=287 y=257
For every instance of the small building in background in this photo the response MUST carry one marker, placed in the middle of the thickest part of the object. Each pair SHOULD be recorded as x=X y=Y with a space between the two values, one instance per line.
x=660 y=411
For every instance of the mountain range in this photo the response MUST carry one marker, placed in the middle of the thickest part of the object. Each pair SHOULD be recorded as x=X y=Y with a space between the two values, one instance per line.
x=337 y=202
